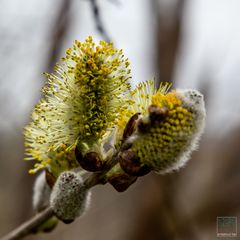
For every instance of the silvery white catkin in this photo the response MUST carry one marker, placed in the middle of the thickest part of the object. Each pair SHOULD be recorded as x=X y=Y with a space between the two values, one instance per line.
x=69 y=198
x=41 y=193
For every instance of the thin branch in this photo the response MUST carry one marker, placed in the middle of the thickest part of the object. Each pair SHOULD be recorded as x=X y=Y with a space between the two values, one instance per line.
x=28 y=227
x=98 y=21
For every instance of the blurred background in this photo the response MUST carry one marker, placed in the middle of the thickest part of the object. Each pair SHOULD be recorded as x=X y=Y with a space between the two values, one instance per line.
x=193 y=44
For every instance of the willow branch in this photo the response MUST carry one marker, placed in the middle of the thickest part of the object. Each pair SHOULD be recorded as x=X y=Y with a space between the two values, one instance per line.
x=28 y=227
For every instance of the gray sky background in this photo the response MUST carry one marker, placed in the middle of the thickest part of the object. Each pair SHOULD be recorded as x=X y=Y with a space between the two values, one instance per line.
x=210 y=53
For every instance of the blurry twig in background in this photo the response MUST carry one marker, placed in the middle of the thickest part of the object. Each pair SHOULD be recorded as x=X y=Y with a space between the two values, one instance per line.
x=167 y=226
x=59 y=29
x=116 y=2
x=168 y=33
x=28 y=226
x=98 y=21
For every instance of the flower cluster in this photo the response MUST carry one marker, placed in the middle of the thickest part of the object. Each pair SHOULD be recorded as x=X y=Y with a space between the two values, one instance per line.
x=140 y=99
x=82 y=102
x=88 y=104
x=170 y=131
x=90 y=118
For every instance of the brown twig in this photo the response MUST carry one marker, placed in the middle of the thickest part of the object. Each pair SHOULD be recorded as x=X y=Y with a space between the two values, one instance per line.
x=28 y=227
x=98 y=21
x=57 y=33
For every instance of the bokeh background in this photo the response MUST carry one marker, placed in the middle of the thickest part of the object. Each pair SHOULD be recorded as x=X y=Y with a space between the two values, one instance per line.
x=191 y=43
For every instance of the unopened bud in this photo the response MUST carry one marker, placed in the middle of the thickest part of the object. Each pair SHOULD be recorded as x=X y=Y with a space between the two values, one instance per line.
x=131 y=126
x=90 y=161
x=50 y=179
x=69 y=198
x=41 y=193
x=120 y=180
x=132 y=165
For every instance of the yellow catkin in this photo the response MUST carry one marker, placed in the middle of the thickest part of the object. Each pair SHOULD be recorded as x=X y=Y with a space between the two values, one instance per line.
x=166 y=139
x=81 y=103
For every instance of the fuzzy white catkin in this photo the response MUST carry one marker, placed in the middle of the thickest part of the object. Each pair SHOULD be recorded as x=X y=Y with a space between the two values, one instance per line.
x=69 y=198
x=193 y=101
x=41 y=193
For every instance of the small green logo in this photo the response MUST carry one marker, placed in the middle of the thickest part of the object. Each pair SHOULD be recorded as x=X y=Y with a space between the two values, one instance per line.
x=226 y=226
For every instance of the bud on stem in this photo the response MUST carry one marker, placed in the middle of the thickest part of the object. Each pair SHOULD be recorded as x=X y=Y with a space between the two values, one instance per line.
x=120 y=180
x=69 y=198
x=90 y=161
x=132 y=165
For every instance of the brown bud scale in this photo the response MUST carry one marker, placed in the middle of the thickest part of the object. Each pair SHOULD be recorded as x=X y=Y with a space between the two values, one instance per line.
x=121 y=181
x=130 y=163
x=91 y=161
x=50 y=179
x=157 y=114
x=131 y=126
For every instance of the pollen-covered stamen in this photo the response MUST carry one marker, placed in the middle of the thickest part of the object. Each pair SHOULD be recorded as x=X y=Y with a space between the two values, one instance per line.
x=104 y=77
x=83 y=100
x=141 y=98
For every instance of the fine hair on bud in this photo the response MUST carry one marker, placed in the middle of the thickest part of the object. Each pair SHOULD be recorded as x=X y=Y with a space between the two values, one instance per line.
x=69 y=198
x=41 y=193
x=167 y=135
x=193 y=101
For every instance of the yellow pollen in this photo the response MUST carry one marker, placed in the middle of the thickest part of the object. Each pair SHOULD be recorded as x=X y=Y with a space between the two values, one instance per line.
x=169 y=100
